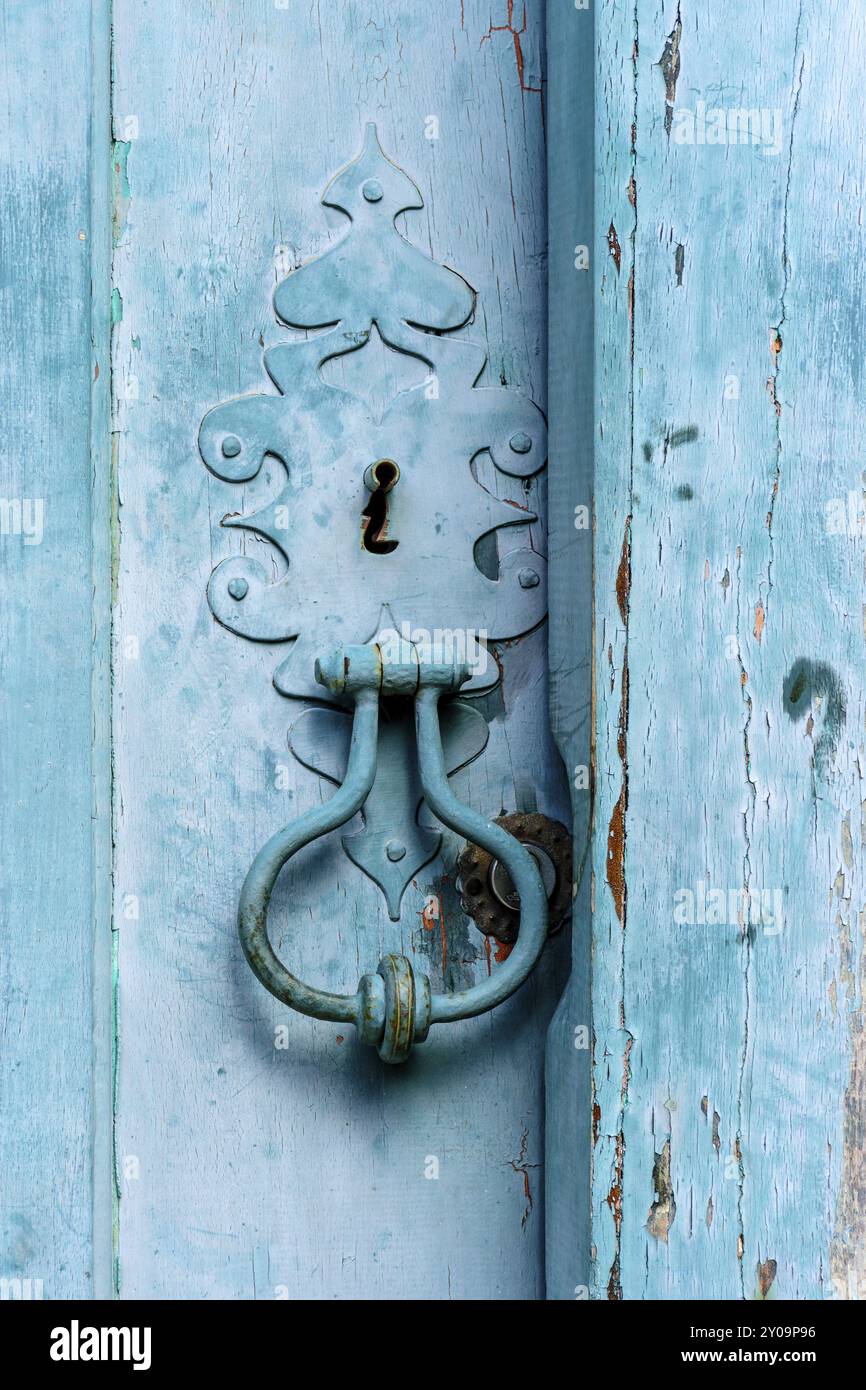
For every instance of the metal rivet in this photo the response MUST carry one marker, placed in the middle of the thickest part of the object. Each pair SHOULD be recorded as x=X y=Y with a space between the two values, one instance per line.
x=231 y=446
x=395 y=850
x=372 y=190
x=238 y=588
x=528 y=579
x=520 y=443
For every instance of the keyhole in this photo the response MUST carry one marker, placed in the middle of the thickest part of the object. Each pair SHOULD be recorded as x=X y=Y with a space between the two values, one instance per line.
x=380 y=477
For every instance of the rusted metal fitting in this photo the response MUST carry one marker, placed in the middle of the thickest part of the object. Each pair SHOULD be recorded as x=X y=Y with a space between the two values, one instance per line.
x=487 y=894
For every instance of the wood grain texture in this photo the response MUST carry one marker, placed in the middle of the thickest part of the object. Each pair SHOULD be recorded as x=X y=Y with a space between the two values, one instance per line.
x=728 y=1159
x=53 y=814
x=249 y=1171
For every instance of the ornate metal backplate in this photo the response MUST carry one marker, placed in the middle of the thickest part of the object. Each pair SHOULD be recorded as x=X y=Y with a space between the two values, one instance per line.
x=378 y=520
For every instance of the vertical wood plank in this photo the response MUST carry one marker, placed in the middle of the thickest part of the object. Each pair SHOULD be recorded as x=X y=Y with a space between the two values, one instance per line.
x=571 y=135
x=54 y=1194
x=250 y=1171
x=728 y=948
x=103 y=502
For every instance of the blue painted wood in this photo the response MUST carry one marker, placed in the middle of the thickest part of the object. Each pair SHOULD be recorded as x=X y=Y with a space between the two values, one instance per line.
x=55 y=1125
x=257 y=1159
x=728 y=1030
x=261 y=1154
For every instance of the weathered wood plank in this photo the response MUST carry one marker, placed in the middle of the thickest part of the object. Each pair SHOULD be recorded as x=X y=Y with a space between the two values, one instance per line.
x=248 y=1171
x=54 y=1108
x=729 y=656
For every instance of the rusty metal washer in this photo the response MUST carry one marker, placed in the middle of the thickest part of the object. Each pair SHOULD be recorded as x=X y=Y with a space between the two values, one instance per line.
x=486 y=892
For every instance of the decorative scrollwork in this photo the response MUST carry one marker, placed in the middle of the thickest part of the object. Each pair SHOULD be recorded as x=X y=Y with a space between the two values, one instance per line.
x=415 y=571
x=327 y=440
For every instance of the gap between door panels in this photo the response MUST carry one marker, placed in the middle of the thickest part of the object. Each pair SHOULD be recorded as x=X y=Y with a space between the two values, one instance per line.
x=571 y=255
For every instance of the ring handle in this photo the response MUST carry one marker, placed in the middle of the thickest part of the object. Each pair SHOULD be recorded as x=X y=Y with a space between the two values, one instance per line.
x=393 y=1008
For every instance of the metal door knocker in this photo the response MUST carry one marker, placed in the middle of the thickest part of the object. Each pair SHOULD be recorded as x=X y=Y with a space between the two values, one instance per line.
x=395 y=1007
x=397 y=582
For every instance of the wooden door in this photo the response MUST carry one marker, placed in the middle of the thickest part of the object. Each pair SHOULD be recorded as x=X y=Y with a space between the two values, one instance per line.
x=196 y=1139
x=678 y=1088
x=727 y=931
